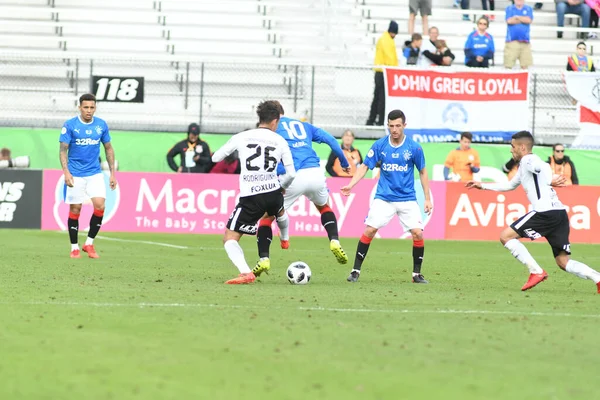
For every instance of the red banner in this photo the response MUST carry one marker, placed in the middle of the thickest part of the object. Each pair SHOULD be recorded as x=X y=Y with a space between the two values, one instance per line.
x=457 y=86
x=482 y=214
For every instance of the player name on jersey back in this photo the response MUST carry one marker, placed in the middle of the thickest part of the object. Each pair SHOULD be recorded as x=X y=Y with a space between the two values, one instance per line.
x=259 y=150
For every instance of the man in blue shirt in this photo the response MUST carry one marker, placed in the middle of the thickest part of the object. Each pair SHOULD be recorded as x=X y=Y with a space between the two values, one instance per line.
x=310 y=182
x=398 y=155
x=80 y=140
x=517 y=47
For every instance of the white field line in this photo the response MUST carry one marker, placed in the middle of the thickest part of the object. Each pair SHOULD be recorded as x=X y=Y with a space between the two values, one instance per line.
x=174 y=246
x=323 y=309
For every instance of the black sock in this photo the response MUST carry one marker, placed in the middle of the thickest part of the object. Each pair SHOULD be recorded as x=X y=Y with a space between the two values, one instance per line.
x=361 y=253
x=329 y=222
x=95 y=224
x=418 y=258
x=264 y=236
x=73 y=225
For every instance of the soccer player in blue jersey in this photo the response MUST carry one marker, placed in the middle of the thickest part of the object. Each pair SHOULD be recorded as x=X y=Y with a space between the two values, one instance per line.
x=310 y=182
x=80 y=140
x=398 y=155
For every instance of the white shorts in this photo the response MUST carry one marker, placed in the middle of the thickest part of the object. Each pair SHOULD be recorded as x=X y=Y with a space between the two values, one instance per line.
x=309 y=182
x=85 y=188
x=382 y=212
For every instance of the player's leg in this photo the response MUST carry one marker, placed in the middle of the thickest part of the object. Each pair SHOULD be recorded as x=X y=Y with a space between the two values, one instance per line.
x=264 y=236
x=409 y=214
x=291 y=195
x=96 y=191
x=319 y=195
x=561 y=249
x=524 y=227
x=74 y=197
x=242 y=220
x=271 y=204
x=380 y=214
x=235 y=253
x=73 y=226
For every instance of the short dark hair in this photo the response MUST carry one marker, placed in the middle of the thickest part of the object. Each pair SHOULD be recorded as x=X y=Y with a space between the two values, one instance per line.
x=557 y=144
x=416 y=36
x=467 y=135
x=268 y=110
x=581 y=43
x=87 y=97
x=524 y=135
x=395 y=114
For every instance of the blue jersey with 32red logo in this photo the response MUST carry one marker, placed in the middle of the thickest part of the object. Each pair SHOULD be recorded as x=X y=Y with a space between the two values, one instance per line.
x=396 y=177
x=84 y=145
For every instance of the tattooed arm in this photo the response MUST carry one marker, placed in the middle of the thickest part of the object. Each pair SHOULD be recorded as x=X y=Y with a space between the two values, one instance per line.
x=63 y=154
x=110 y=158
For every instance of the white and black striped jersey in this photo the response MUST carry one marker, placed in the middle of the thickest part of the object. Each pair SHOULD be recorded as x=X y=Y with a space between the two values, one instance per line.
x=259 y=151
x=536 y=176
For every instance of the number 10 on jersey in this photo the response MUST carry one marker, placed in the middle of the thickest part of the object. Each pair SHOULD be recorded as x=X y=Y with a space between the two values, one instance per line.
x=118 y=89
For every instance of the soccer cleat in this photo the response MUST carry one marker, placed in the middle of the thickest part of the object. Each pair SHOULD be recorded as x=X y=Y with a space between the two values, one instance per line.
x=534 y=279
x=89 y=248
x=353 y=277
x=419 y=279
x=338 y=252
x=75 y=254
x=262 y=265
x=285 y=244
x=598 y=285
x=242 y=279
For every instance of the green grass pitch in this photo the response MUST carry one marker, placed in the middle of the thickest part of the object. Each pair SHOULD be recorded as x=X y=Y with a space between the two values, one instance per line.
x=147 y=321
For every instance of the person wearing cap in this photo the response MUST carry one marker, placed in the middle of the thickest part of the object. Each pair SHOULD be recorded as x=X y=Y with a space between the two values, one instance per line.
x=194 y=153
x=385 y=54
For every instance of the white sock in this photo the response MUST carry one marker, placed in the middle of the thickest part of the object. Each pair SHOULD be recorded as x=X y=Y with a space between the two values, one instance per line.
x=519 y=251
x=89 y=241
x=236 y=255
x=74 y=246
x=583 y=271
x=283 y=223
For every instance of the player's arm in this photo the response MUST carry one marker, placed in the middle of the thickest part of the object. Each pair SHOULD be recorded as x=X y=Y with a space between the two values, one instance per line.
x=110 y=159
x=320 y=136
x=63 y=154
x=448 y=164
x=171 y=158
x=226 y=150
x=475 y=166
x=424 y=178
x=497 y=186
x=360 y=173
x=288 y=163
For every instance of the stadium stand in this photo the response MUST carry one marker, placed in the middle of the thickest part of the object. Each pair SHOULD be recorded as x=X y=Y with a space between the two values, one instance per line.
x=217 y=59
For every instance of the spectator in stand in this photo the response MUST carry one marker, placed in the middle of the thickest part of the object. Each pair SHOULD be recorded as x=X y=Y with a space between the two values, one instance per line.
x=424 y=7
x=510 y=168
x=228 y=165
x=334 y=168
x=479 y=48
x=562 y=165
x=571 y=7
x=595 y=12
x=517 y=47
x=464 y=5
x=412 y=49
x=194 y=153
x=463 y=161
x=435 y=51
x=580 y=60
x=385 y=54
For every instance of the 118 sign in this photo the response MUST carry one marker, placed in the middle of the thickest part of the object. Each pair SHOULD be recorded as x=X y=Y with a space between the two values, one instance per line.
x=118 y=89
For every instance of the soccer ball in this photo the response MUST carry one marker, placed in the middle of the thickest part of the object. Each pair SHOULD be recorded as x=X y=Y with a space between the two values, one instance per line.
x=298 y=273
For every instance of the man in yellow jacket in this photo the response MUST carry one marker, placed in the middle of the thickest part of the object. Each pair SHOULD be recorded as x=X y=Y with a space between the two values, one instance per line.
x=385 y=54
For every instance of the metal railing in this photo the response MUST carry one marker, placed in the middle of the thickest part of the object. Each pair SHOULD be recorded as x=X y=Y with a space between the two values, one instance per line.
x=222 y=96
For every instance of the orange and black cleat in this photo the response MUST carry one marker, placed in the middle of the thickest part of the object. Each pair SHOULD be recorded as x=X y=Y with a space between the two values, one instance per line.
x=242 y=279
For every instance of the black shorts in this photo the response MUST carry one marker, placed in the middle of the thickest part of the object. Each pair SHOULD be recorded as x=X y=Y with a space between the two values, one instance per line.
x=250 y=209
x=553 y=225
